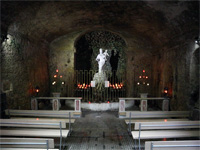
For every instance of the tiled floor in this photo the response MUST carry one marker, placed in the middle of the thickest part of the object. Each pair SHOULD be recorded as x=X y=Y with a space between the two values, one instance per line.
x=99 y=131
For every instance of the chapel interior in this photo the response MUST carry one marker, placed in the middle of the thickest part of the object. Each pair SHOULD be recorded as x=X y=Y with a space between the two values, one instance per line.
x=51 y=47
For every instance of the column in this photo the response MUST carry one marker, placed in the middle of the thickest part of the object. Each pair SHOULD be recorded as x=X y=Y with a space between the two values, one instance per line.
x=121 y=105
x=143 y=102
x=165 y=105
x=55 y=104
x=77 y=105
x=34 y=104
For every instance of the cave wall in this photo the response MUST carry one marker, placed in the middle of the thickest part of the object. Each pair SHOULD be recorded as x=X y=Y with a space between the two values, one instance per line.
x=173 y=67
x=24 y=65
x=61 y=57
x=41 y=42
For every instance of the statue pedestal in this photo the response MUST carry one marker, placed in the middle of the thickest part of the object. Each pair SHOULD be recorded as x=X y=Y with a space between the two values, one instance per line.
x=143 y=102
x=100 y=78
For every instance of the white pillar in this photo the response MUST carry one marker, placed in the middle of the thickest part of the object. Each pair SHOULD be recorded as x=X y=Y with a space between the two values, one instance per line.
x=55 y=104
x=77 y=105
x=122 y=105
x=143 y=102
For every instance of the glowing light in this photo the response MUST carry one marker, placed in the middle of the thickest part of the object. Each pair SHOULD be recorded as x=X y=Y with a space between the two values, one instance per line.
x=89 y=102
x=138 y=83
x=37 y=118
x=56 y=70
x=143 y=70
x=37 y=90
x=54 y=82
x=165 y=120
x=61 y=76
x=140 y=77
x=146 y=77
x=63 y=82
x=55 y=76
x=147 y=84
x=165 y=91
x=108 y=102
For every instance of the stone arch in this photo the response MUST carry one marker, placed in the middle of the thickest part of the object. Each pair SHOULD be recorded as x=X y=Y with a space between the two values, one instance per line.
x=87 y=47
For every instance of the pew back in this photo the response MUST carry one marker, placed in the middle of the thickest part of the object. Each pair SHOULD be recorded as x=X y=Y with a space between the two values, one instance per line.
x=157 y=114
x=40 y=113
x=173 y=145
x=32 y=123
x=26 y=143
x=166 y=125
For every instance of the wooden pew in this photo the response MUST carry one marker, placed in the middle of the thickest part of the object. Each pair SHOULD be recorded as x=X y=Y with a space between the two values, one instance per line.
x=131 y=122
x=31 y=123
x=42 y=113
x=26 y=143
x=155 y=114
x=25 y=149
x=173 y=145
x=29 y=129
x=45 y=119
x=34 y=132
x=159 y=130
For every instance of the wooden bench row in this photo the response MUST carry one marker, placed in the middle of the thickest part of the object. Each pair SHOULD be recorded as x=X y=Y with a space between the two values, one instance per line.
x=154 y=114
x=50 y=124
x=42 y=113
x=173 y=145
x=159 y=130
x=32 y=128
x=26 y=143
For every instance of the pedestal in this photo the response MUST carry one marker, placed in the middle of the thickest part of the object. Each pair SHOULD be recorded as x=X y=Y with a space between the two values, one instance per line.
x=122 y=105
x=143 y=102
x=34 y=104
x=165 y=105
x=77 y=105
x=56 y=105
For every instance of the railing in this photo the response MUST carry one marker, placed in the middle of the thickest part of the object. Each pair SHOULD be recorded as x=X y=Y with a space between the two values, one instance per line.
x=115 y=89
x=56 y=102
x=143 y=103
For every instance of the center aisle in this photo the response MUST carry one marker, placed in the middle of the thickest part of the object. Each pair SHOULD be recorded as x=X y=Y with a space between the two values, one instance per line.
x=99 y=131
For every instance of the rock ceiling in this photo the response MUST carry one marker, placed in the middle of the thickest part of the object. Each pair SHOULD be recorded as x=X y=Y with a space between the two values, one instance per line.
x=156 y=22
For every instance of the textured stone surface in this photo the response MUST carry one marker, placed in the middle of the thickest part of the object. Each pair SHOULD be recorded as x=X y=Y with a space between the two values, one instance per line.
x=99 y=130
x=159 y=37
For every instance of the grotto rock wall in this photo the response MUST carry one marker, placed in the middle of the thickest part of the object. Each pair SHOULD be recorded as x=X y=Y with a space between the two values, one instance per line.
x=24 y=65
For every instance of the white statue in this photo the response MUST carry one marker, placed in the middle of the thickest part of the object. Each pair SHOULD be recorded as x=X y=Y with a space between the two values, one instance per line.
x=101 y=58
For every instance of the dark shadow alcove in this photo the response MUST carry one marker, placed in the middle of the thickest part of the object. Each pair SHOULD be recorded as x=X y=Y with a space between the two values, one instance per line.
x=88 y=45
